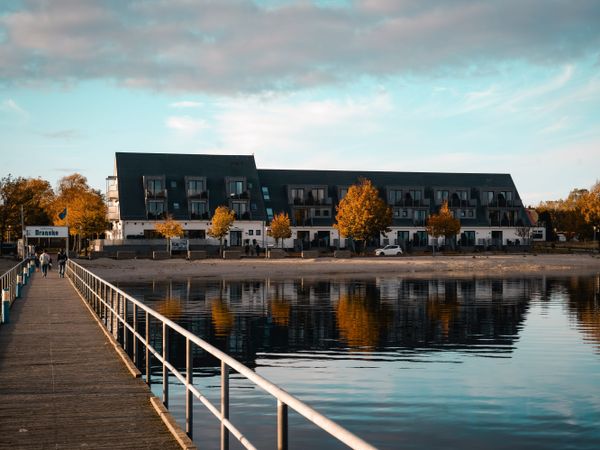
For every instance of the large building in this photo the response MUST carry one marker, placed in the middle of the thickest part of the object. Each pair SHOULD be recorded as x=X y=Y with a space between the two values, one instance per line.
x=146 y=187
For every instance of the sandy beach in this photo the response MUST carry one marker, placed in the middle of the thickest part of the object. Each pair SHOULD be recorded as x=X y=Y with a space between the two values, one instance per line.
x=454 y=266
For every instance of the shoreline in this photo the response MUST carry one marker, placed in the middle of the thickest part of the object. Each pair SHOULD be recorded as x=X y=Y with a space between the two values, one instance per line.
x=525 y=265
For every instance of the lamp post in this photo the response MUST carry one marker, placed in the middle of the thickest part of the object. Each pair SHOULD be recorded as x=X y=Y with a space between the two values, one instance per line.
x=595 y=227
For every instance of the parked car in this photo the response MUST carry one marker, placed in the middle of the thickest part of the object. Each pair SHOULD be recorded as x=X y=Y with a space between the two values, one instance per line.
x=389 y=250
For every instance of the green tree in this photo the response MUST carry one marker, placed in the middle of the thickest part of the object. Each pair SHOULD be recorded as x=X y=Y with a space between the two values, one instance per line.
x=170 y=228
x=280 y=228
x=362 y=214
x=443 y=224
x=220 y=224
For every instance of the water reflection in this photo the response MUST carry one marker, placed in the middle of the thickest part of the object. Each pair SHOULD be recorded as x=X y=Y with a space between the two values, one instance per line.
x=248 y=318
x=494 y=363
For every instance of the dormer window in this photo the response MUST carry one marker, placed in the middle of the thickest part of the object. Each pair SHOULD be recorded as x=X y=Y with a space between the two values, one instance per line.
x=195 y=186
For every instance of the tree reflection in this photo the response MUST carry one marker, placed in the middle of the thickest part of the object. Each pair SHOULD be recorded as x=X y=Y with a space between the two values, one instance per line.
x=222 y=317
x=280 y=311
x=584 y=304
x=169 y=307
x=361 y=320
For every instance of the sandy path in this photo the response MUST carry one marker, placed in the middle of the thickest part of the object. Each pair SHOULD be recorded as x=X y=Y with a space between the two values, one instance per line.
x=480 y=265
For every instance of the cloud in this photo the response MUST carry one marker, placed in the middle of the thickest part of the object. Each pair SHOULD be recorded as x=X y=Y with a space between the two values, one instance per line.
x=185 y=104
x=239 y=46
x=61 y=134
x=11 y=106
x=186 y=124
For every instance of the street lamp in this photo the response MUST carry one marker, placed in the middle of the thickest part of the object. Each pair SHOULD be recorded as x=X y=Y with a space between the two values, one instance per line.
x=595 y=227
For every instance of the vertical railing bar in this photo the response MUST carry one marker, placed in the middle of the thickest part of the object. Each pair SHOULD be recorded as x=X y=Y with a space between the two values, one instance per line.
x=224 y=405
x=165 y=357
x=148 y=355
x=282 y=425
x=135 y=340
x=124 y=303
x=189 y=380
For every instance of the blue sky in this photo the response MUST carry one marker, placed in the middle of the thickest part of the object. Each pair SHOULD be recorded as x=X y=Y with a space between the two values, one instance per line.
x=508 y=86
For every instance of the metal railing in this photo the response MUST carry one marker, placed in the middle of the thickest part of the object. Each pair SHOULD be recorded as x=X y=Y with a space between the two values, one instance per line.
x=113 y=306
x=9 y=280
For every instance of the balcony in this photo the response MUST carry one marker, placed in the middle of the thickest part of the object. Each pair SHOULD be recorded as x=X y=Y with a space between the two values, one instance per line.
x=112 y=193
x=156 y=194
x=113 y=213
x=200 y=216
x=311 y=201
x=410 y=203
x=244 y=195
x=192 y=194
x=500 y=203
x=457 y=203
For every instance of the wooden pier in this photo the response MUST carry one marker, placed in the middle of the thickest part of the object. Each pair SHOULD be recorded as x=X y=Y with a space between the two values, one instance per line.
x=62 y=384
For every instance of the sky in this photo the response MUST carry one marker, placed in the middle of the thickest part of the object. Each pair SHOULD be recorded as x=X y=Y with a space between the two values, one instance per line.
x=507 y=86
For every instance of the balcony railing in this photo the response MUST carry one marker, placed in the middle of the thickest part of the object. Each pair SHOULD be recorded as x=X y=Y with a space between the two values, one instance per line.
x=191 y=193
x=310 y=201
x=405 y=202
x=504 y=204
x=162 y=193
x=245 y=195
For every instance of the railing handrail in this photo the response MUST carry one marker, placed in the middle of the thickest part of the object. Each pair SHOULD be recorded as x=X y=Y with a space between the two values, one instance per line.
x=281 y=395
x=8 y=281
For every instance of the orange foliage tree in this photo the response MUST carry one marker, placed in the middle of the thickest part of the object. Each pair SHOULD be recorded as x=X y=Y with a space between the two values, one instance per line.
x=221 y=223
x=362 y=214
x=280 y=228
x=443 y=223
x=170 y=228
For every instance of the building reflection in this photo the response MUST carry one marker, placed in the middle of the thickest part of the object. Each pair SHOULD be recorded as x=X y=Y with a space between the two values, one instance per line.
x=248 y=318
x=584 y=306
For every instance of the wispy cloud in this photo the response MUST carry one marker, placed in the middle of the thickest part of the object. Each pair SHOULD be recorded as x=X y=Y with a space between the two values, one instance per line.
x=61 y=134
x=185 y=104
x=186 y=124
x=9 y=105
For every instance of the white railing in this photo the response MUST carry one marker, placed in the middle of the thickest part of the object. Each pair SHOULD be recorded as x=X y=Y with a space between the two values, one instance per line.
x=112 y=305
x=12 y=281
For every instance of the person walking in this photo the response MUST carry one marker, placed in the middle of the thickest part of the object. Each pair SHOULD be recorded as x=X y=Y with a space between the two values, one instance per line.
x=44 y=262
x=61 y=258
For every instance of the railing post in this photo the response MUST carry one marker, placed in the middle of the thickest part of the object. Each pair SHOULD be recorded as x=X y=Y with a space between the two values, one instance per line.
x=189 y=380
x=165 y=371
x=134 y=350
x=124 y=303
x=148 y=365
x=282 y=425
x=224 y=405
x=19 y=285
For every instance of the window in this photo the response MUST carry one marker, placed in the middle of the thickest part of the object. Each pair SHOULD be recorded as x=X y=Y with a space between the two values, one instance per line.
x=343 y=192
x=420 y=239
x=326 y=213
x=442 y=196
x=253 y=206
x=317 y=212
x=154 y=186
x=462 y=195
x=175 y=205
x=195 y=187
x=317 y=194
x=394 y=197
x=198 y=210
x=270 y=213
x=462 y=213
x=489 y=197
x=467 y=239
x=250 y=232
x=297 y=195
x=196 y=234
x=236 y=187
x=397 y=213
x=239 y=208
x=265 y=193
x=471 y=213
x=405 y=213
x=420 y=216
x=257 y=232
x=156 y=209
x=173 y=184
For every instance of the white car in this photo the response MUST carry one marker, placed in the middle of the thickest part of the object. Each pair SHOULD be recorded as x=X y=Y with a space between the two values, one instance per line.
x=389 y=250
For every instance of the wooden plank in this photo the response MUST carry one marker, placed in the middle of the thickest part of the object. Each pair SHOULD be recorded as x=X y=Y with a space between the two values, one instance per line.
x=62 y=384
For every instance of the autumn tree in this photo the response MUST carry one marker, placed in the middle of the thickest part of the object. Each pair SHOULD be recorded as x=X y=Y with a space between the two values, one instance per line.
x=590 y=207
x=362 y=214
x=31 y=196
x=169 y=229
x=221 y=223
x=443 y=223
x=85 y=208
x=524 y=232
x=280 y=228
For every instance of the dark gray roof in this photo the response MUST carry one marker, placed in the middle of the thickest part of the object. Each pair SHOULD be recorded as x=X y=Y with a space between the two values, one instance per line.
x=278 y=180
x=132 y=167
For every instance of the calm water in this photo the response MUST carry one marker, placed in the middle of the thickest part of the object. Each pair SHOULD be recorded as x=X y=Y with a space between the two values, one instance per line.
x=411 y=364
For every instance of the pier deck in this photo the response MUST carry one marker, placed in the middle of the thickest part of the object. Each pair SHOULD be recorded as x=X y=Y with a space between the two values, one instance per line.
x=62 y=384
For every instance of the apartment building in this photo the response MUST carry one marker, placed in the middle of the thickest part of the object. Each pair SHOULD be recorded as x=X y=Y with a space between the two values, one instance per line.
x=145 y=187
